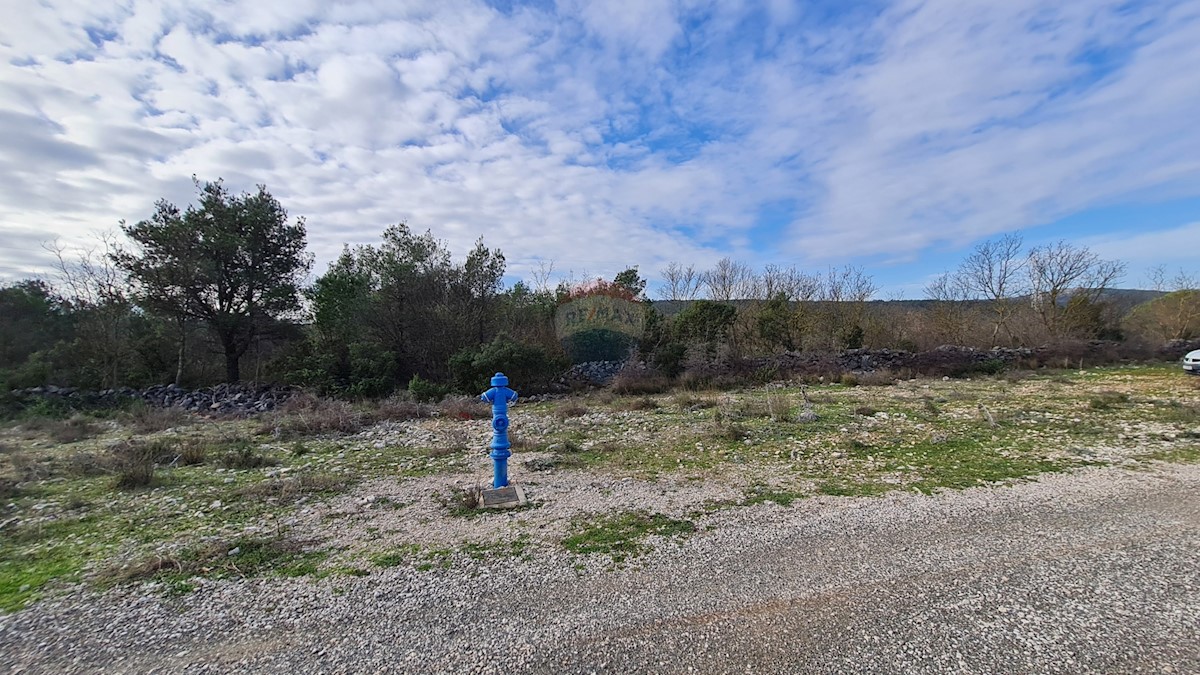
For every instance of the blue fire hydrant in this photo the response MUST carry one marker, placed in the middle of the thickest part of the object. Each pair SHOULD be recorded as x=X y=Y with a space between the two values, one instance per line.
x=500 y=396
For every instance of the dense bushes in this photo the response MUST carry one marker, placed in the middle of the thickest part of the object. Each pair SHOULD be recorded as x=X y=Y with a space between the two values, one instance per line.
x=404 y=315
x=531 y=368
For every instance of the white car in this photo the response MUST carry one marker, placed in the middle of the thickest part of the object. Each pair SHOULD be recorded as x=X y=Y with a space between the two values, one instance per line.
x=1191 y=362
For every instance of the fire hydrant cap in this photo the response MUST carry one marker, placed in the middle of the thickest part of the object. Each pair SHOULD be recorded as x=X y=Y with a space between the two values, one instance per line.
x=499 y=380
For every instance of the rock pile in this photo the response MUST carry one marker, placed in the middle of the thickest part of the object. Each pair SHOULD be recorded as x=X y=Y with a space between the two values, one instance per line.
x=224 y=399
x=592 y=372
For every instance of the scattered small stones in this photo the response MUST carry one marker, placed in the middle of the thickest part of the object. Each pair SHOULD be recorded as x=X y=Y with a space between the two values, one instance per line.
x=1087 y=572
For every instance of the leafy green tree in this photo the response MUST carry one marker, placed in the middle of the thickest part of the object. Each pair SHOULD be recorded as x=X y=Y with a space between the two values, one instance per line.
x=776 y=323
x=631 y=281
x=341 y=302
x=529 y=367
x=384 y=314
x=33 y=320
x=707 y=323
x=233 y=263
x=473 y=290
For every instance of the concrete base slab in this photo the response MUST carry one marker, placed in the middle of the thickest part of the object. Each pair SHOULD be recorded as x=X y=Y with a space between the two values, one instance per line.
x=506 y=497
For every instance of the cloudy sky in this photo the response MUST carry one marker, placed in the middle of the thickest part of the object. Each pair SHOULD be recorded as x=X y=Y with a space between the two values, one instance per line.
x=893 y=135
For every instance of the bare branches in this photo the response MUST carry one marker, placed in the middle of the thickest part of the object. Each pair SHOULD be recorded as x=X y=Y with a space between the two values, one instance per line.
x=680 y=283
x=1065 y=280
x=786 y=282
x=728 y=280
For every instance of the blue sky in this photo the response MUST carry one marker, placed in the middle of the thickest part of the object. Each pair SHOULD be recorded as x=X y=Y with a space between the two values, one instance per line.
x=894 y=136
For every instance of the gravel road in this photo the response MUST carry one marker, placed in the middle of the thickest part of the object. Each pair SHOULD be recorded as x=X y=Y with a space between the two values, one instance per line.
x=1095 y=571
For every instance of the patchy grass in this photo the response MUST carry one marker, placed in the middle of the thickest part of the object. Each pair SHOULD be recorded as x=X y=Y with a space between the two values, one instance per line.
x=223 y=558
x=187 y=485
x=32 y=555
x=1106 y=400
x=759 y=494
x=623 y=535
x=419 y=557
x=241 y=453
x=1189 y=454
x=847 y=488
x=285 y=490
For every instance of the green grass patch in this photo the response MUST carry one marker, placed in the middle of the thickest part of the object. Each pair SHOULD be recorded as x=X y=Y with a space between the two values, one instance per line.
x=1107 y=400
x=760 y=495
x=420 y=557
x=1189 y=454
x=517 y=548
x=224 y=558
x=31 y=556
x=848 y=488
x=622 y=535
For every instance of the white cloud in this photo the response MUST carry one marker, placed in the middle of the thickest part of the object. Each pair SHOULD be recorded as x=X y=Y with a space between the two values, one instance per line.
x=970 y=124
x=1170 y=247
x=600 y=135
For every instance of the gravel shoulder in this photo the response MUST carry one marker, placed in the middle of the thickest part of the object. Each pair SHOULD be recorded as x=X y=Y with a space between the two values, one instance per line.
x=1091 y=571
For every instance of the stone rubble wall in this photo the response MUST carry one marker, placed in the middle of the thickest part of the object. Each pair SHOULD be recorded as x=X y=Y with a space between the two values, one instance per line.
x=224 y=399
x=942 y=360
x=249 y=399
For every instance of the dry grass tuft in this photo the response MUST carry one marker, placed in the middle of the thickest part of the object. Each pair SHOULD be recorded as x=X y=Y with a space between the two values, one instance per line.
x=9 y=488
x=463 y=408
x=301 y=485
x=308 y=415
x=462 y=501
x=147 y=419
x=636 y=404
x=639 y=383
x=400 y=409
x=570 y=409
x=452 y=440
x=132 y=464
x=193 y=452
x=242 y=454
x=690 y=401
x=73 y=429
x=29 y=467
x=878 y=378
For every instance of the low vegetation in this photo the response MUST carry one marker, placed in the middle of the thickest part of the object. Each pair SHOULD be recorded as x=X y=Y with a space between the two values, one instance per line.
x=622 y=535
x=310 y=488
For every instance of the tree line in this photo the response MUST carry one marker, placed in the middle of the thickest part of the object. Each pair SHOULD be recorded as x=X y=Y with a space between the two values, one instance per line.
x=217 y=292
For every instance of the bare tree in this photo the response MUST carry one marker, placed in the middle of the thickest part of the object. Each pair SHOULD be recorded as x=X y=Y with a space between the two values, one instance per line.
x=847 y=284
x=952 y=314
x=1182 y=281
x=541 y=278
x=1173 y=316
x=680 y=283
x=98 y=293
x=1065 y=279
x=728 y=280
x=789 y=282
x=992 y=273
x=841 y=314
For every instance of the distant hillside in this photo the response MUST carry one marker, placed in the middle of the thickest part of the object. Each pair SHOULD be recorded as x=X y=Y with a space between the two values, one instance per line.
x=1124 y=299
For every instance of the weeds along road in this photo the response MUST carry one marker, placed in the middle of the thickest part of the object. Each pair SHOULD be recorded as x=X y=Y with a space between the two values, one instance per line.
x=1095 y=571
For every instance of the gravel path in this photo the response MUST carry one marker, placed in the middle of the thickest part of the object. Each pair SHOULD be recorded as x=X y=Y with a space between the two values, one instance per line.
x=1096 y=571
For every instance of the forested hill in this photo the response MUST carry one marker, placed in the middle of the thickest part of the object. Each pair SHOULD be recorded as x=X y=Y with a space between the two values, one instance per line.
x=1121 y=299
